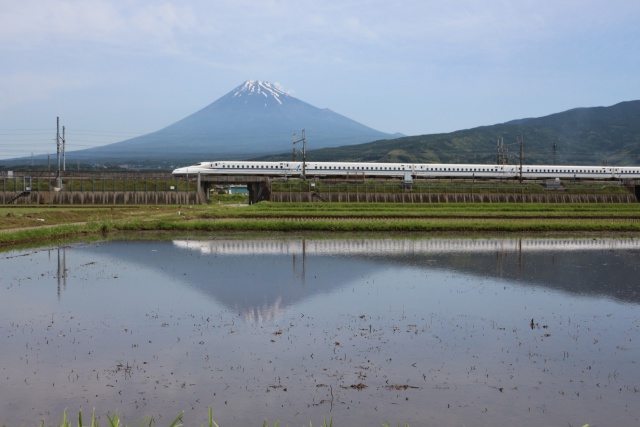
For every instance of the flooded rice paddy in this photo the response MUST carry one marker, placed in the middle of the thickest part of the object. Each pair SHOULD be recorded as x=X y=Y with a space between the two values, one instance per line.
x=433 y=332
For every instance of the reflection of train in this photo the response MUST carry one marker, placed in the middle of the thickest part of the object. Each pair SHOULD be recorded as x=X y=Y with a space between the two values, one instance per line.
x=404 y=170
x=385 y=247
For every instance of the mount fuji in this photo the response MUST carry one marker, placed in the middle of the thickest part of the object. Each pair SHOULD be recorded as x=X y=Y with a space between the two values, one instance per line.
x=254 y=119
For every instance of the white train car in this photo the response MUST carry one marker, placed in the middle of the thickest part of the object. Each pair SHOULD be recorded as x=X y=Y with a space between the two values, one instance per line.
x=328 y=169
x=626 y=172
x=566 y=172
x=241 y=168
x=467 y=171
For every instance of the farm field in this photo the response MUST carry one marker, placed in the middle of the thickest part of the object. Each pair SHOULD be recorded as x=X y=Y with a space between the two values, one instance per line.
x=33 y=224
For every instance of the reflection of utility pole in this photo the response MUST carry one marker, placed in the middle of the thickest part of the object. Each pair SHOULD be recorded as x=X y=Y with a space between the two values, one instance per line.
x=304 y=152
x=62 y=270
x=520 y=258
x=304 y=263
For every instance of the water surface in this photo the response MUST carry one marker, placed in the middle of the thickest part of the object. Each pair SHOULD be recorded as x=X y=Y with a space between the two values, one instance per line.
x=524 y=332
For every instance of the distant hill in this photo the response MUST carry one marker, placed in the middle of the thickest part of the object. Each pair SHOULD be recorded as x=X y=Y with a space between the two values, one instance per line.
x=256 y=118
x=580 y=136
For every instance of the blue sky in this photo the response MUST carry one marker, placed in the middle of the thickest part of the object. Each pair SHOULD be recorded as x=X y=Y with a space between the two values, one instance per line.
x=114 y=69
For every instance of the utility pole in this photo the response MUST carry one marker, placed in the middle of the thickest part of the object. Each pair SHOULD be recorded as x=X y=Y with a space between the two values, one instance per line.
x=58 y=144
x=58 y=177
x=64 y=151
x=521 y=139
x=503 y=152
x=304 y=152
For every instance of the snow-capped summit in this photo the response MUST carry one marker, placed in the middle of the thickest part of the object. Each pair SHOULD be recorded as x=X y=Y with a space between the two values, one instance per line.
x=258 y=87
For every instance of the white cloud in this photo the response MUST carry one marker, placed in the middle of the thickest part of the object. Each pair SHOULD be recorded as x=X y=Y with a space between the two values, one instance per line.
x=30 y=24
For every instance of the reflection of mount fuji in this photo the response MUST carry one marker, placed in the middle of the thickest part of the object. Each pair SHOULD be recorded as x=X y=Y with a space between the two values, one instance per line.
x=586 y=266
x=254 y=283
x=259 y=278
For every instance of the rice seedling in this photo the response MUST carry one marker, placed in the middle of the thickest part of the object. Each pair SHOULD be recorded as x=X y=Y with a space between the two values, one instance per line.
x=115 y=420
x=320 y=217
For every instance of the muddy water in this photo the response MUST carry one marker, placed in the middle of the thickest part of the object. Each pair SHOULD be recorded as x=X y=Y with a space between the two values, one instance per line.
x=454 y=332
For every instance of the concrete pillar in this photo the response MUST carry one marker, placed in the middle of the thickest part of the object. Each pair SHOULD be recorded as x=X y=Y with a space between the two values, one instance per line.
x=258 y=192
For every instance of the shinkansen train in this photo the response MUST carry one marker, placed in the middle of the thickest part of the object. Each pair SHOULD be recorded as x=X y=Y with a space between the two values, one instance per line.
x=405 y=170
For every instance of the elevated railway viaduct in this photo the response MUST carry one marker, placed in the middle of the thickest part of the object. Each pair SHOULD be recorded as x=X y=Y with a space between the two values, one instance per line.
x=80 y=187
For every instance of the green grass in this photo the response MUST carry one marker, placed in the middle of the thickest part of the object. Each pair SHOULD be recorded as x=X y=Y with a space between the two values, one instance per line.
x=115 y=420
x=47 y=224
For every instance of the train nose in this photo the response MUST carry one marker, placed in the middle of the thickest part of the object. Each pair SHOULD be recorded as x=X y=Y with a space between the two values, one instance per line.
x=180 y=171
